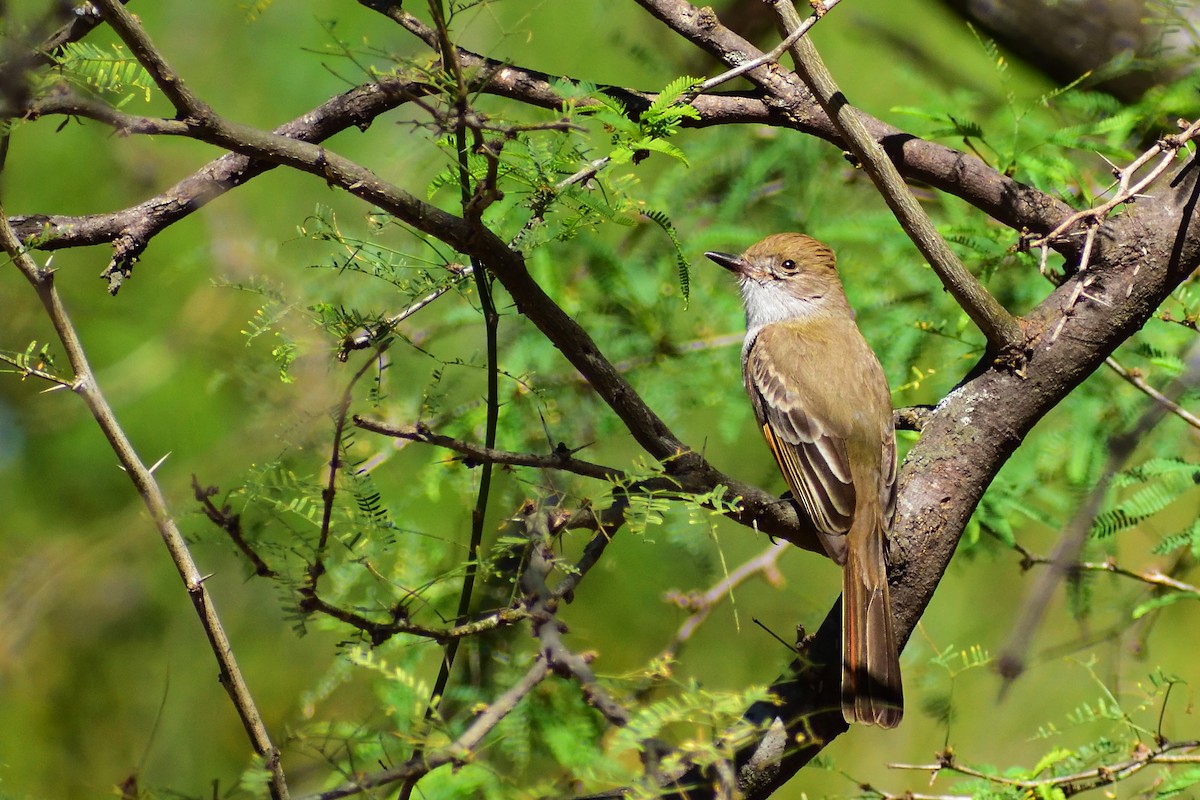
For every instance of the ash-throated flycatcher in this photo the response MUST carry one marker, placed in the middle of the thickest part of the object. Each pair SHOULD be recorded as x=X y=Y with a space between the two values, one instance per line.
x=823 y=403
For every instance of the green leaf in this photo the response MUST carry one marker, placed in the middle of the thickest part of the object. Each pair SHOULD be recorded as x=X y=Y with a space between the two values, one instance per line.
x=1178 y=783
x=681 y=260
x=1163 y=601
x=108 y=70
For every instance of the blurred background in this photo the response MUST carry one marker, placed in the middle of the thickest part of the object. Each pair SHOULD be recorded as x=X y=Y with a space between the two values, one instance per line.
x=104 y=671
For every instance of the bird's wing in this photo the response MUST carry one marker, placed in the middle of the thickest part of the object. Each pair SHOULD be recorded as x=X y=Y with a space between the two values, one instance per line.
x=812 y=455
x=887 y=485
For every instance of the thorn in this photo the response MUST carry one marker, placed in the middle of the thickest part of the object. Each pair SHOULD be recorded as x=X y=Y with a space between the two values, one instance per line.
x=1058 y=329
x=158 y=463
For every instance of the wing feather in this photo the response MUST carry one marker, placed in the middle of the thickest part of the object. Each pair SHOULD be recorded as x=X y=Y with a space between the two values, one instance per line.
x=814 y=459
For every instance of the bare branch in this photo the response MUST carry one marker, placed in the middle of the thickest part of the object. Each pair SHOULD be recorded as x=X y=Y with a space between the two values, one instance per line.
x=702 y=604
x=560 y=459
x=1137 y=380
x=85 y=385
x=231 y=523
x=1152 y=577
x=771 y=56
x=1084 y=780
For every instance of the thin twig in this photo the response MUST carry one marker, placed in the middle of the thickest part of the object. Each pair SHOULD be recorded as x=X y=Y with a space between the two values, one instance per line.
x=701 y=605
x=560 y=459
x=86 y=386
x=770 y=57
x=26 y=371
x=1082 y=280
x=231 y=523
x=1137 y=380
x=1153 y=577
x=363 y=340
x=380 y=632
x=328 y=494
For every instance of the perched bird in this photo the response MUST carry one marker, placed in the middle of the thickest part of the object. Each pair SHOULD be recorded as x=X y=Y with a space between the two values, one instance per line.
x=823 y=403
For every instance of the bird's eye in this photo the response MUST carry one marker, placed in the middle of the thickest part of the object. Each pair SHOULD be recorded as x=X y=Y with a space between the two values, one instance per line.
x=788 y=266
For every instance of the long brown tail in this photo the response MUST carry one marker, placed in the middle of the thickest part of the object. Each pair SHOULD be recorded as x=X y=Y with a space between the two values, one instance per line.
x=872 y=693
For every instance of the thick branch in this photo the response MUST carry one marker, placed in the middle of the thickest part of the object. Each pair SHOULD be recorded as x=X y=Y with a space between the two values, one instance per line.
x=785 y=101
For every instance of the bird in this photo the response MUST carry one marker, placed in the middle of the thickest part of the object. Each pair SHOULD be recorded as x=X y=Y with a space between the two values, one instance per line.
x=822 y=401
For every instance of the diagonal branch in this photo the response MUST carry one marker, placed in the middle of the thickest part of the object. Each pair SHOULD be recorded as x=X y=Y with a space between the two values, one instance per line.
x=757 y=509
x=1000 y=328
x=700 y=604
x=1135 y=379
x=85 y=385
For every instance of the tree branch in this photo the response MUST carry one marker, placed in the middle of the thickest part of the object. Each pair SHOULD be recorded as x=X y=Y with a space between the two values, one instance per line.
x=84 y=384
x=700 y=605
x=560 y=459
x=1001 y=330
x=1153 y=577
x=944 y=168
x=1134 y=379
x=1082 y=781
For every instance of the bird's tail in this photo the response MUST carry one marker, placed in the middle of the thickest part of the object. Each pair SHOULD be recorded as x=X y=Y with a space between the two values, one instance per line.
x=872 y=693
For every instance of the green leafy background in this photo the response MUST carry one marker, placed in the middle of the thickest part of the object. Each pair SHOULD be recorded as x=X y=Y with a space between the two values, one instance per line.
x=220 y=351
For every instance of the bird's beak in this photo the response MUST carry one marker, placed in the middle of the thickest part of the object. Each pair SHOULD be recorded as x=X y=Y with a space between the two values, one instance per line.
x=734 y=264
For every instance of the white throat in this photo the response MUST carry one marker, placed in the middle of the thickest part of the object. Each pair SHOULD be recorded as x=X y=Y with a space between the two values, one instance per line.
x=767 y=304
